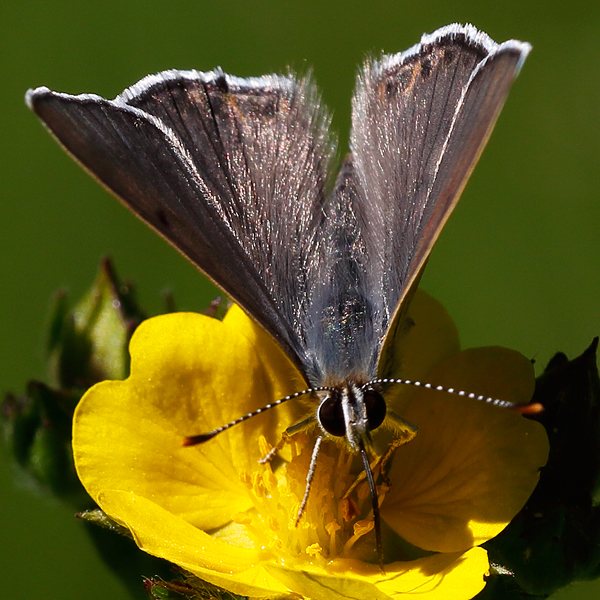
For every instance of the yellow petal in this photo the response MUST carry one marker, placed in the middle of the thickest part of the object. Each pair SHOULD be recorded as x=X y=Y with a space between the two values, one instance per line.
x=437 y=577
x=189 y=374
x=279 y=369
x=162 y=534
x=440 y=577
x=426 y=336
x=319 y=584
x=472 y=466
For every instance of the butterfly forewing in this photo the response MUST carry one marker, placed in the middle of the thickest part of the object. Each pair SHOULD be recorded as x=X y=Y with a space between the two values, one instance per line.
x=231 y=171
x=420 y=121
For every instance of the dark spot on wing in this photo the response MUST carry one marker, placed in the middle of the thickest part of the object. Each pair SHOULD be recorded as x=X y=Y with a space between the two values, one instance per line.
x=221 y=83
x=390 y=87
x=398 y=80
x=425 y=68
x=162 y=218
x=447 y=56
x=447 y=46
x=267 y=106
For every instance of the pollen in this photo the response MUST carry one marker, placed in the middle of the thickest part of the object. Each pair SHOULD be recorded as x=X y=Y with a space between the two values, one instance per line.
x=242 y=518
x=338 y=512
x=314 y=550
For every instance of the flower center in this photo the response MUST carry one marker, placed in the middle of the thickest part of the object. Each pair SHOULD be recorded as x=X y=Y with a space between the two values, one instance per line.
x=338 y=512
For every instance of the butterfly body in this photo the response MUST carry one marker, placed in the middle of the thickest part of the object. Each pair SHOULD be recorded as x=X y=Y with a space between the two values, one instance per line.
x=235 y=174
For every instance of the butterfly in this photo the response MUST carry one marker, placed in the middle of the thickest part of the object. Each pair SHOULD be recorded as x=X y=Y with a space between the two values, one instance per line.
x=234 y=173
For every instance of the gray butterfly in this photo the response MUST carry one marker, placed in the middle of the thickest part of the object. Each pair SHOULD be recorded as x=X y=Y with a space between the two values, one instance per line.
x=234 y=173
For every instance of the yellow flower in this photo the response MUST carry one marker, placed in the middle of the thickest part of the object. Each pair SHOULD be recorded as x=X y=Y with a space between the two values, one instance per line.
x=219 y=514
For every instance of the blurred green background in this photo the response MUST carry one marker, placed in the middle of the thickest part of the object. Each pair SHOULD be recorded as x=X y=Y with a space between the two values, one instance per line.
x=517 y=265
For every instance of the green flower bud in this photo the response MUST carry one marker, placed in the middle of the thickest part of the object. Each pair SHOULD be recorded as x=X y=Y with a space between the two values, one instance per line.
x=85 y=345
x=89 y=343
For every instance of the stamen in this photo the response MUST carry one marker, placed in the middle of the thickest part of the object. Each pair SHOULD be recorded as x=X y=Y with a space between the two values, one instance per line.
x=349 y=509
x=264 y=447
x=360 y=528
x=258 y=485
x=332 y=528
x=274 y=524
x=242 y=518
x=314 y=550
x=300 y=509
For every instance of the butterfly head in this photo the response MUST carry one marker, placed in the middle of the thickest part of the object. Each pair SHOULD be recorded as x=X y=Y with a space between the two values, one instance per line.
x=352 y=411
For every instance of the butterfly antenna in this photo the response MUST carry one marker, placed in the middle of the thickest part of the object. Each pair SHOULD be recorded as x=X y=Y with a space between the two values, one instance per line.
x=524 y=409
x=194 y=440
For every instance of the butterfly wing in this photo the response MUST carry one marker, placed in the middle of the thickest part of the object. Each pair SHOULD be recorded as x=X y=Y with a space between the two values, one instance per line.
x=230 y=171
x=420 y=122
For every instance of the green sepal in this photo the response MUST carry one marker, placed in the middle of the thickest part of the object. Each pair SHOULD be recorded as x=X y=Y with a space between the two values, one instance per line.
x=37 y=428
x=187 y=587
x=218 y=307
x=119 y=552
x=555 y=539
x=96 y=516
x=168 y=590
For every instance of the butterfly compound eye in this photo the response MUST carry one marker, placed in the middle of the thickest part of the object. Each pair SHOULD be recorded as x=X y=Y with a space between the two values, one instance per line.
x=331 y=415
x=376 y=408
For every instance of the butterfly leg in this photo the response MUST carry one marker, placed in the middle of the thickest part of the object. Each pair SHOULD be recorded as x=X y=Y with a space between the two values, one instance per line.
x=309 y=478
x=287 y=435
x=405 y=431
